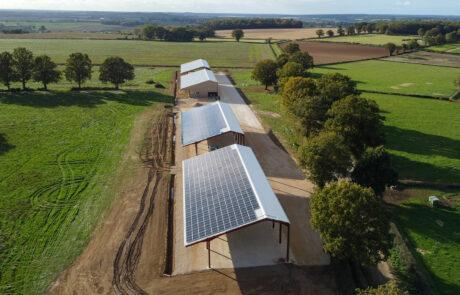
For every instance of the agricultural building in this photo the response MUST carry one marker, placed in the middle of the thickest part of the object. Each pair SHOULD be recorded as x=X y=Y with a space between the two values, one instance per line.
x=200 y=84
x=198 y=64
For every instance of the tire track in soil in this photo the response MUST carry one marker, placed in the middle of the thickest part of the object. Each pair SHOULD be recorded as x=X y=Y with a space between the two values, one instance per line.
x=154 y=156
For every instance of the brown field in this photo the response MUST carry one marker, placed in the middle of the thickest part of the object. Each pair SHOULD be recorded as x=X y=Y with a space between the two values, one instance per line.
x=68 y=35
x=427 y=58
x=327 y=53
x=280 y=34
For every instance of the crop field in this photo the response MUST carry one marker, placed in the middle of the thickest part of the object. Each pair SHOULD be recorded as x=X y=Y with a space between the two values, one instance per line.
x=277 y=34
x=422 y=134
x=433 y=235
x=369 y=39
x=49 y=25
x=218 y=54
x=59 y=152
x=427 y=58
x=143 y=74
x=447 y=48
x=393 y=77
x=327 y=53
x=68 y=35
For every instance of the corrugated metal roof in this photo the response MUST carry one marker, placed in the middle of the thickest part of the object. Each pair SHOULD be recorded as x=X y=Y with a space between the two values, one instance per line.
x=225 y=190
x=207 y=121
x=194 y=65
x=197 y=78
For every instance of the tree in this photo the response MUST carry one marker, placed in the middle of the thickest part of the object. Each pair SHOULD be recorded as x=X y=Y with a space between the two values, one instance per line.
x=265 y=72
x=451 y=37
x=335 y=86
x=421 y=32
x=7 y=73
x=291 y=69
x=23 y=61
x=391 y=47
x=281 y=60
x=358 y=120
x=302 y=58
x=374 y=170
x=148 y=32
x=116 y=71
x=340 y=31
x=45 y=71
x=350 y=30
x=237 y=34
x=330 y=33
x=352 y=222
x=325 y=157
x=457 y=82
x=370 y=28
x=404 y=47
x=413 y=44
x=42 y=29
x=78 y=68
x=439 y=39
x=359 y=28
x=320 y=33
x=292 y=48
x=389 y=288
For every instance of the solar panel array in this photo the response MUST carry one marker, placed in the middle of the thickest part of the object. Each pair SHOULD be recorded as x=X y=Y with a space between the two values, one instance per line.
x=218 y=196
x=201 y=123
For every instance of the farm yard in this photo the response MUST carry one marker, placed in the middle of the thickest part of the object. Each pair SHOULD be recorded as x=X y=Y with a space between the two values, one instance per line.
x=368 y=39
x=276 y=34
x=427 y=58
x=157 y=53
x=327 y=53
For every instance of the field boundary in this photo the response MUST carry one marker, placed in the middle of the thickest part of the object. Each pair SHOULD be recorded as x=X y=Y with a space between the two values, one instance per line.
x=443 y=98
x=426 y=184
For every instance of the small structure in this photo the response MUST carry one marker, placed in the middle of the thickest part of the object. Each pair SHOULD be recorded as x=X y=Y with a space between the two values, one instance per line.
x=209 y=121
x=193 y=66
x=226 y=190
x=200 y=84
x=434 y=201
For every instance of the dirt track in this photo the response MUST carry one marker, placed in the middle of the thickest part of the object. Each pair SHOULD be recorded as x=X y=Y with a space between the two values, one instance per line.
x=328 y=52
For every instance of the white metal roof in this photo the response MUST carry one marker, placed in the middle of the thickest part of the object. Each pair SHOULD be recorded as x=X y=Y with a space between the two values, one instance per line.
x=197 y=78
x=194 y=65
x=225 y=190
x=207 y=121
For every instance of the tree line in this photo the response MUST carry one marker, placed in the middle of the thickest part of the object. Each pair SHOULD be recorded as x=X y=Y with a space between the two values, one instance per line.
x=253 y=23
x=22 y=66
x=413 y=27
x=340 y=138
x=179 y=34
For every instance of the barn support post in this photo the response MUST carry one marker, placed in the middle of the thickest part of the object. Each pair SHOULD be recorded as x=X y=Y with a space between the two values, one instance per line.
x=208 y=246
x=273 y=224
x=280 y=232
x=242 y=139
x=196 y=148
x=287 y=246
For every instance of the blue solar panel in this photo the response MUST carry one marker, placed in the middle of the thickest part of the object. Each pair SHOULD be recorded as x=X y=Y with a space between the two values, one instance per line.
x=202 y=123
x=218 y=195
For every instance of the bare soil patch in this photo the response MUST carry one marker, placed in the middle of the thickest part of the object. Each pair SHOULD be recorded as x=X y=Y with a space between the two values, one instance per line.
x=281 y=34
x=427 y=58
x=328 y=53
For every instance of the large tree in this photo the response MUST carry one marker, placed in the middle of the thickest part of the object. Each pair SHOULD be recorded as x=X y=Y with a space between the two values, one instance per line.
x=358 y=120
x=23 y=61
x=292 y=48
x=116 y=71
x=265 y=72
x=325 y=157
x=374 y=170
x=7 y=73
x=330 y=33
x=340 y=31
x=45 y=71
x=237 y=34
x=290 y=69
x=302 y=58
x=320 y=33
x=352 y=223
x=78 y=68
x=391 y=47
x=389 y=288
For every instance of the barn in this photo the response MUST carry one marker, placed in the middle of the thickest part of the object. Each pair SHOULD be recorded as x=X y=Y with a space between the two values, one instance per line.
x=200 y=84
x=192 y=66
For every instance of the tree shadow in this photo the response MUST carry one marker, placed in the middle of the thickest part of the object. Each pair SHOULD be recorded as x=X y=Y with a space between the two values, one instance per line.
x=4 y=145
x=415 y=142
x=84 y=99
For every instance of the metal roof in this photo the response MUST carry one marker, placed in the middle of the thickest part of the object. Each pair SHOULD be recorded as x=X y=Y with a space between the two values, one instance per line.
x=208 y=121
x=196 y=78
x=225 y=190
x=194 y=65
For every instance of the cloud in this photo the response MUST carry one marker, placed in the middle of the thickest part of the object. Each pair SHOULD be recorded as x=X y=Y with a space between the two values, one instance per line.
x=405 y=3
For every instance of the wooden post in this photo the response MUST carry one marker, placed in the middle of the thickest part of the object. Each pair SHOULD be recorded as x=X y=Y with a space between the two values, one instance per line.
x=273 y=224
x=208 y=246
x=280 y=232
x=196 y=148
x=287 y=246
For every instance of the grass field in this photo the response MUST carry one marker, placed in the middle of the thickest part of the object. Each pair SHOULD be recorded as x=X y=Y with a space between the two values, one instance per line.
x=224 y=54
x=393 y=77
x=448 y=48
x=50 y=25
x=422 y=134
x=368 y=39
x=142 y=75
x=59 y=152
x=433 y=236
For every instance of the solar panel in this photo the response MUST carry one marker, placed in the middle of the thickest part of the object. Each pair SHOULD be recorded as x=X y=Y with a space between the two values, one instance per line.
x=220 y=194
x=207 y=121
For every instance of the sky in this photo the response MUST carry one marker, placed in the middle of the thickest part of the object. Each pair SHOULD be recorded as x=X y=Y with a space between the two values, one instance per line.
x=421 y=7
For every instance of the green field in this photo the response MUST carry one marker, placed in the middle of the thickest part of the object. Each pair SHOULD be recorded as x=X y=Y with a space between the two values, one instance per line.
x=368 y=39
x=223 y=54
x=448 y=48
x=433 y=236
x=50 y=25
x=59 y=153
x=143 y=74
x=393 y=77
